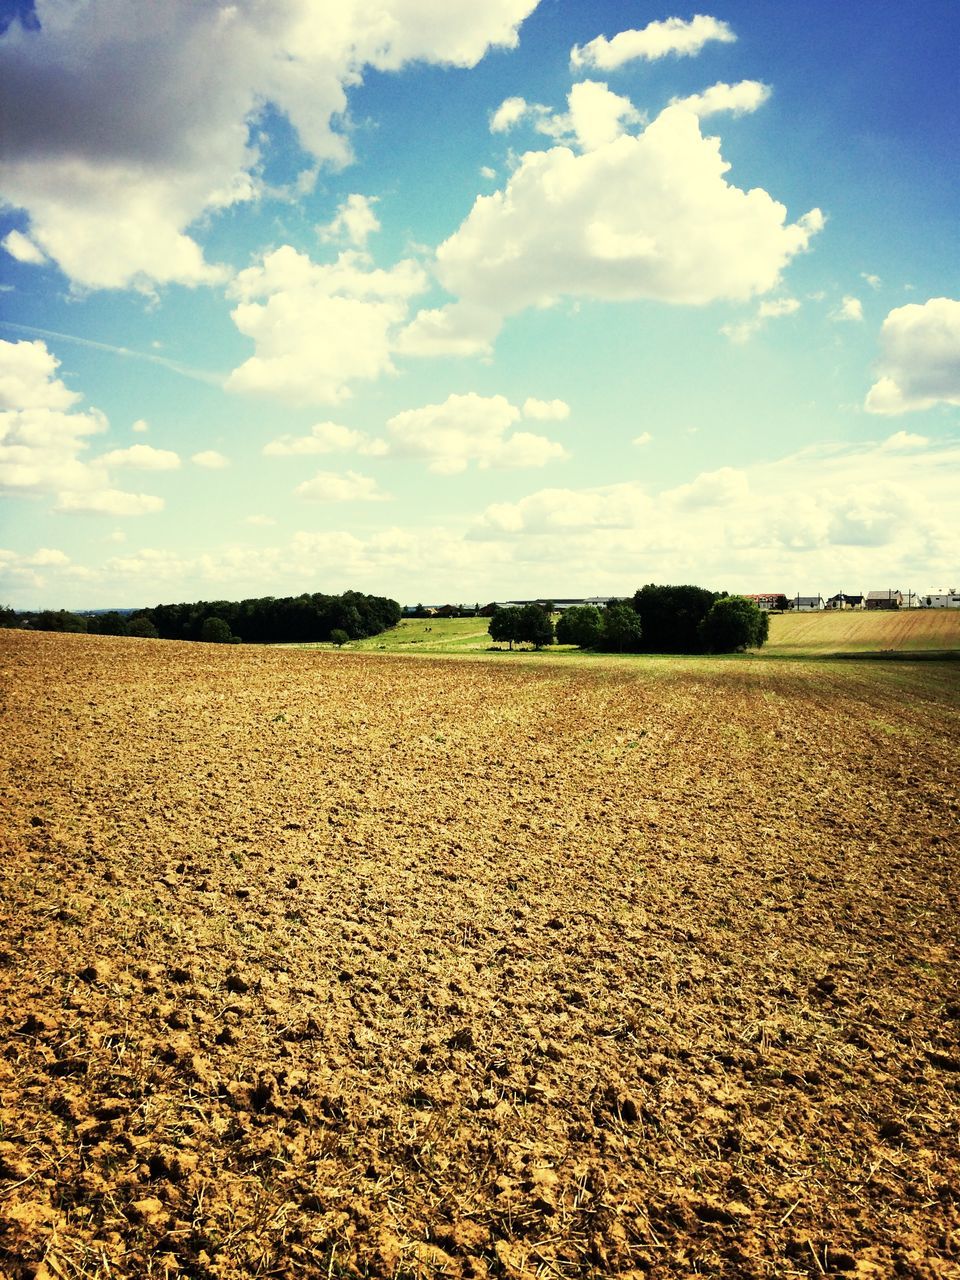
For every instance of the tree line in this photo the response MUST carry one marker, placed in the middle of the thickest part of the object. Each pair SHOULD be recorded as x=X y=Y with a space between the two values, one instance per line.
x=658 y=619
x=267 y=620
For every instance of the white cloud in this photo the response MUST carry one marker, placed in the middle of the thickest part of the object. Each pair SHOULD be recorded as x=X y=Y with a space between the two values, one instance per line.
x=46 y=557
x=126 y=120
x=642 y=439
x=141 y=457
x=655 y=40
x=831 y=517
x=740 y=99
x=260 y=521
x=901 y=440
x=319 y=327
x=23 y=249
x=648 y=216
x=594 y=118
x=920 y=358
x=510 y=112
x=141 y=426
x=873 y=281
x=324 y=437
x=469 y=428
x=210 y=459
x=849 y=309
x=545 y=410
x=109 y=502
x=355 y=220
x=771 y=309
x=329 y=486
x=43 y=437
x=487 y=172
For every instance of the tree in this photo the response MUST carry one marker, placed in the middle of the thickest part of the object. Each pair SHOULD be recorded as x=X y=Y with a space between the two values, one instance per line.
x=8 y=616
x=534 y=625
x=142 y=628
x=215 y=631
x=734 y=624
x=338 y=637
x=782 y=603
x=503 y=626
x=108 y=624
x=671 y=617
x=59 y=620
x=582 y=625
x=622 y=629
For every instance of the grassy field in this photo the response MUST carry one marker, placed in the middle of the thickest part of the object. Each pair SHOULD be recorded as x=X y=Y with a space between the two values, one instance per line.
x=320 y=964
x=791 y=635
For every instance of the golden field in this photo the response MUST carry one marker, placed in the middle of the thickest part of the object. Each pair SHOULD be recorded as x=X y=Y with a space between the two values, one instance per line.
x=338 y=964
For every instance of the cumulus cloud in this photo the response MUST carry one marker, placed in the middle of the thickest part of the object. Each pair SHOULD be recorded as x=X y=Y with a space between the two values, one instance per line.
x=330 y=486
x=114 y=166
x=324 y=437
x=43 y=437
x=739 y=99
x=771 y=309
x=850 y=308
x=211 y=459
x=655 y=40
x=141 y=426
x=640 y=216
x=545 y=410
x=318 y=327
x=862 y=513
x=141 y=457
x=920 y=358
x=469 y=429
x=509 y=113
x=642 y=439
x=595 y=116
x=23 y=249
x=354 y=221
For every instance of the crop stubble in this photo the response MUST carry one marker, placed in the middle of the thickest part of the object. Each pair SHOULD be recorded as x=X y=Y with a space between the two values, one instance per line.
x=322 y=964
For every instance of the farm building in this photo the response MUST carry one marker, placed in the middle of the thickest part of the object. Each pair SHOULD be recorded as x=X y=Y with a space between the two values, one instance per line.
x=941 y=599
x=888 y=599
x=806 y=604
x=843 y=601
x=765 y=599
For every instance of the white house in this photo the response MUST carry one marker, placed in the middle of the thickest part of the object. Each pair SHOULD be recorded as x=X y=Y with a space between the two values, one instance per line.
x=941 y=599
x=806 y=604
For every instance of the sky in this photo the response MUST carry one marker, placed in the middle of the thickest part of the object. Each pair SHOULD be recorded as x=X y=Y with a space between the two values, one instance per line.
x=471 y=302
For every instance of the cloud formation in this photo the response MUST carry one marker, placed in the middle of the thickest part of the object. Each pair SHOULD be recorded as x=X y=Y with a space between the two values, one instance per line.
x=330 y=486
x=467 y=429
x=43 y=437
x=739 y=99
x=919 y=358
x=126 y=120
x=319 y=327
x=655 y=40
x=646 y=216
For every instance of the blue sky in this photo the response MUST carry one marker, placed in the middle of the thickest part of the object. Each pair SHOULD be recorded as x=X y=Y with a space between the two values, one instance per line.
x=471 y=302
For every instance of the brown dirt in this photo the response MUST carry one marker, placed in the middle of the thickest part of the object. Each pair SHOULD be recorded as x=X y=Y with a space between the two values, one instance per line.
x=317 y=964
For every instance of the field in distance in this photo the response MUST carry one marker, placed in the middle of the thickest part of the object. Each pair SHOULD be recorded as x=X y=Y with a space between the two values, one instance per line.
x=334 y=964
x=791 y=634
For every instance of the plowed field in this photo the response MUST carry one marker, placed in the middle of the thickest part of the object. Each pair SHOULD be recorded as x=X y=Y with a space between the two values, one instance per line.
x=331 y=964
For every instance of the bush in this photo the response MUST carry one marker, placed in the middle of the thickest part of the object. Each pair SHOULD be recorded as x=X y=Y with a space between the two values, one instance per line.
x=143 y=629
x=215 y=631
x=582 y=625
x=733 y=624
x=338 y=637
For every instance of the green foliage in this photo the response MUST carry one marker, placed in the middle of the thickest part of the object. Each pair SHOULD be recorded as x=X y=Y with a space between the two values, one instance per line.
x=535 y=625
x=58 y=620
x=8 y=617
x=526 y=624
x=622 y=629
x=215 y=631
x=142 y=628
x=581 y=624
x=304 y=619
x=503 y=626
x=671 y=617
x=338 y=637
x=107 y=624
x=734 y=623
